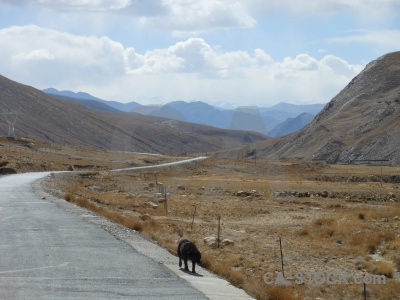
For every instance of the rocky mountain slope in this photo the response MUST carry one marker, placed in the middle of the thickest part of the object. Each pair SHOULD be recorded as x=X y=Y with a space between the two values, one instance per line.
x=361 y=123
x=44 y=117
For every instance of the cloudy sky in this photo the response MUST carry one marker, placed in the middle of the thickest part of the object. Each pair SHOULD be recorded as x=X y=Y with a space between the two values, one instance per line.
x=225 y=52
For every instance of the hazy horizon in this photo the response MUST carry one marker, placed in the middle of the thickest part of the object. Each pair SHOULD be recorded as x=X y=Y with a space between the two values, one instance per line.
x=220 y=52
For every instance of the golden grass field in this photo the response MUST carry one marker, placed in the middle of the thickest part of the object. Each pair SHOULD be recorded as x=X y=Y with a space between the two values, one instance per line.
x=330 y=218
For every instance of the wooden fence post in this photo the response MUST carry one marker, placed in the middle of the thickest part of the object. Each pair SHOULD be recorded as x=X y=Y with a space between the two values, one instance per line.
x=219 y=229
x=191 y=228
x=280 y=245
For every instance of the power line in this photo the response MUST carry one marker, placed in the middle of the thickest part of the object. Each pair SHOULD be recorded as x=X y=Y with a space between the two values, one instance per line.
x=8 y=114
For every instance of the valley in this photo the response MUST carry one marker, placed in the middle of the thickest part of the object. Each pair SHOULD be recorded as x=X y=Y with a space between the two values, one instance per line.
x=314 y=192
x=330 y=218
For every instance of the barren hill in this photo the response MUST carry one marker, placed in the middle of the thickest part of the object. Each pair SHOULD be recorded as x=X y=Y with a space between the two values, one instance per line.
x=45 y=117
x=361 y=123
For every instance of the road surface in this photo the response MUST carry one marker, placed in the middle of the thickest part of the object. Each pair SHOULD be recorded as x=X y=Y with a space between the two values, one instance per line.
x=48 y=253
x=52 y=249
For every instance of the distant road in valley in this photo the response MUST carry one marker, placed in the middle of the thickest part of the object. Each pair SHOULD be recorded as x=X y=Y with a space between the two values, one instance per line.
x=165 y=165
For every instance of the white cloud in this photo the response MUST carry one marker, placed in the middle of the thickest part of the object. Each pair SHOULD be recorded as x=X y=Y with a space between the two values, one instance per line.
x=195 y=16
x=196 y=56
x=301 y=62
x=39 y=54
x=96 y=5
x=387 y=40
x=339 y=66
x=191 y=69
x=312 y=6
x=186 y=18
x=56 y=57
x=181 y=17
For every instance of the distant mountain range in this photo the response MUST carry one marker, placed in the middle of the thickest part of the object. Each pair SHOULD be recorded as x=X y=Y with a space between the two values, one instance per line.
x=277 y=120
x=45 y=117
x=359 y=125
x=80 y=98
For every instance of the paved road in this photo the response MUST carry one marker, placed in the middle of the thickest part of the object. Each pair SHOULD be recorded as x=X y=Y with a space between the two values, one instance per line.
x=165 y=165
x=48 y=253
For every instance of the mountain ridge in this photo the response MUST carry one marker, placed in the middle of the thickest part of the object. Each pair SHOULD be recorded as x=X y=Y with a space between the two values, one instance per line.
x=65 y=122
x=361 y=123
x=251 y=118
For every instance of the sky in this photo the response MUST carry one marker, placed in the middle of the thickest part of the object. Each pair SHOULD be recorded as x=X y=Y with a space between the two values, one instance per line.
x=224 y=52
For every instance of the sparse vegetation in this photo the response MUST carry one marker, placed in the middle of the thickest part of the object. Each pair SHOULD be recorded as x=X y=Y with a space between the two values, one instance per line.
x=323 y=225
x=385 y=268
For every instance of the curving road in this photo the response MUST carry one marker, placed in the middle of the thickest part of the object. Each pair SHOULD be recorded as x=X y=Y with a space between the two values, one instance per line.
x=52 y=249
x=48 y=253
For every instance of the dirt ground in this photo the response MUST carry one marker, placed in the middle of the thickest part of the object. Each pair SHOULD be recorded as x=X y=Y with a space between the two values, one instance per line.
x=337 y=220
x=329 y=219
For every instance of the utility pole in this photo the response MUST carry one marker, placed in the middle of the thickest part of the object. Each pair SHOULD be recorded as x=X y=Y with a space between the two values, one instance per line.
x=11 y=118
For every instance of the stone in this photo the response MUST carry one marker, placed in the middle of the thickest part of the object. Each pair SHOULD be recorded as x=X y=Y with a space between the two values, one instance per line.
x=153 y=205
x=95 y=188
x=181 y=187
x=145 y=217
x=227 y=242
x=211 y=241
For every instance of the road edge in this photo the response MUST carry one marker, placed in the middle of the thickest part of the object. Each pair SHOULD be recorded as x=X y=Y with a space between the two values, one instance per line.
x=211 y=285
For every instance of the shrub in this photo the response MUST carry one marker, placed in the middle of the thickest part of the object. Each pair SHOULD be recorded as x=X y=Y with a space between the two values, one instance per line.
x=388 y=235
x=69 y=197
x=132 y=223
x=226 y=271
x=373 y=242
x=358 y=239
x=279 y=293
x=328 y=231
x=323 y=221
x=82 y=202
x=385 y=268
x=304 y=231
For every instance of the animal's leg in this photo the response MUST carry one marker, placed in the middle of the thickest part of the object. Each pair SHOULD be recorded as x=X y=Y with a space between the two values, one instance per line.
x=186 y=266
x=193 y=267
x=180 y=262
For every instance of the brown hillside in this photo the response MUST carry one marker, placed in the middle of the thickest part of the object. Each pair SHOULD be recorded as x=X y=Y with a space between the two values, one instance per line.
x=361 y=123
x=44 y=117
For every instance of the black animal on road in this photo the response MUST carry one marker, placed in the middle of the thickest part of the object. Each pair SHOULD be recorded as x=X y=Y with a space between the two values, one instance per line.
x=188 y=251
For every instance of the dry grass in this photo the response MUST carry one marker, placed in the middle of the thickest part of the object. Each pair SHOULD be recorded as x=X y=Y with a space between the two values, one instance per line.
x=385 y=268
x=318 y=233
x=69 y=197
x=324 y=221
x=304 y=231
x=268 y=292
